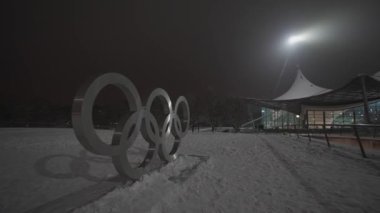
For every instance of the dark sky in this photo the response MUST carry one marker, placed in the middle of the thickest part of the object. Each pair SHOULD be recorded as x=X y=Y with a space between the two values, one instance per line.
x=187 y=47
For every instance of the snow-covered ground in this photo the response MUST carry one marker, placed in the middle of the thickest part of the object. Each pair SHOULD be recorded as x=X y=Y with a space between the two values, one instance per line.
x=46 y=170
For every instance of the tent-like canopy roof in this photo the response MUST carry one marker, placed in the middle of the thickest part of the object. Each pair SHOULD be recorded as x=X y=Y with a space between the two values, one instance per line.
x=303 y=92
x=376 y=76
x=302 y=88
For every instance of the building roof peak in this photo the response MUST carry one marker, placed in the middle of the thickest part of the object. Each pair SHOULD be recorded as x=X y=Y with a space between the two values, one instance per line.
x=302 y=88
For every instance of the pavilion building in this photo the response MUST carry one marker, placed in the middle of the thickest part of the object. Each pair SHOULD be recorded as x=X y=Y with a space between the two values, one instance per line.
x=306 y=104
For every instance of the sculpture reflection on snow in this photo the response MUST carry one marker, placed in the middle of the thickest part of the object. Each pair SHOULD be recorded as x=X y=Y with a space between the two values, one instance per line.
x=141 y=120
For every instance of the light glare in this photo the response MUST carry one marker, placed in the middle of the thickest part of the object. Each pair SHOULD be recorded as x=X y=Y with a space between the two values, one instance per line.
x=297 y=38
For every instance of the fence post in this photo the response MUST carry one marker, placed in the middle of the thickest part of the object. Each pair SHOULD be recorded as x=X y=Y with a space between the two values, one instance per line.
x=359 y=141
x=295 y=128
x=374 y=132
x=307 y=125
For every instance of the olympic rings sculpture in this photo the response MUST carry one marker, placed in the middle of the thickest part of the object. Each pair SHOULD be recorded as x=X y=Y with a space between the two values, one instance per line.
x=141 y=120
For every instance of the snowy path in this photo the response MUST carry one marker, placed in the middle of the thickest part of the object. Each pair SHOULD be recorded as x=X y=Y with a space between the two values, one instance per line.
x=339 y=179
x=244 y=173
x=250 y=173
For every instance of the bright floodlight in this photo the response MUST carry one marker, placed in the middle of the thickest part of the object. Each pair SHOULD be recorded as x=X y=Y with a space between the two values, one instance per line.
x=297 y=38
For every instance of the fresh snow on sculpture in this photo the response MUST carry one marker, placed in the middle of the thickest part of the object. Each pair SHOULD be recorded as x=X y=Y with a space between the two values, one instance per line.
x=126 y=132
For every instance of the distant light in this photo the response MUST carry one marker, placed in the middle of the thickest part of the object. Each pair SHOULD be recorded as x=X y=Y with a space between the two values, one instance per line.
x=297 y=38
x=297 y=116
x=262 y=111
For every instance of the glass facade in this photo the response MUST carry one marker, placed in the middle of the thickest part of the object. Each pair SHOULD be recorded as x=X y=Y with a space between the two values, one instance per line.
x=332 y=117
x=281 y=119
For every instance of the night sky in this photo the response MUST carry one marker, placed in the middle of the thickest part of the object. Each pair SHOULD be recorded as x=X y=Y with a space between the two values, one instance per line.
x=195 y=48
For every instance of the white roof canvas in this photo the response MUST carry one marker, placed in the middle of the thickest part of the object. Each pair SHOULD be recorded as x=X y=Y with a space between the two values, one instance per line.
x=376 y=76
x=302 y=88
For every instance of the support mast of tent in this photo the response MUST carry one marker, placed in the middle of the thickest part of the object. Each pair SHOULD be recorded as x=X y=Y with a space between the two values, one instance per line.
x=307 y=125
x=324 y=129
x=282 y=119
x=365 y=101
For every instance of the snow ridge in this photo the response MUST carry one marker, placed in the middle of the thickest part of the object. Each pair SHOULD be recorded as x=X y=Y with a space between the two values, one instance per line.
x=144 y=195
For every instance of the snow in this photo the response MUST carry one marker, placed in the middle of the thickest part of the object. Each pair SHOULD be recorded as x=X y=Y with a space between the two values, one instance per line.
x=241 y=173
x=39 y=165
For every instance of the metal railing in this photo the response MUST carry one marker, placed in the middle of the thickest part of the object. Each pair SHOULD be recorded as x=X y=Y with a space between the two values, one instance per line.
x=370 y=128
x=324 y=129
